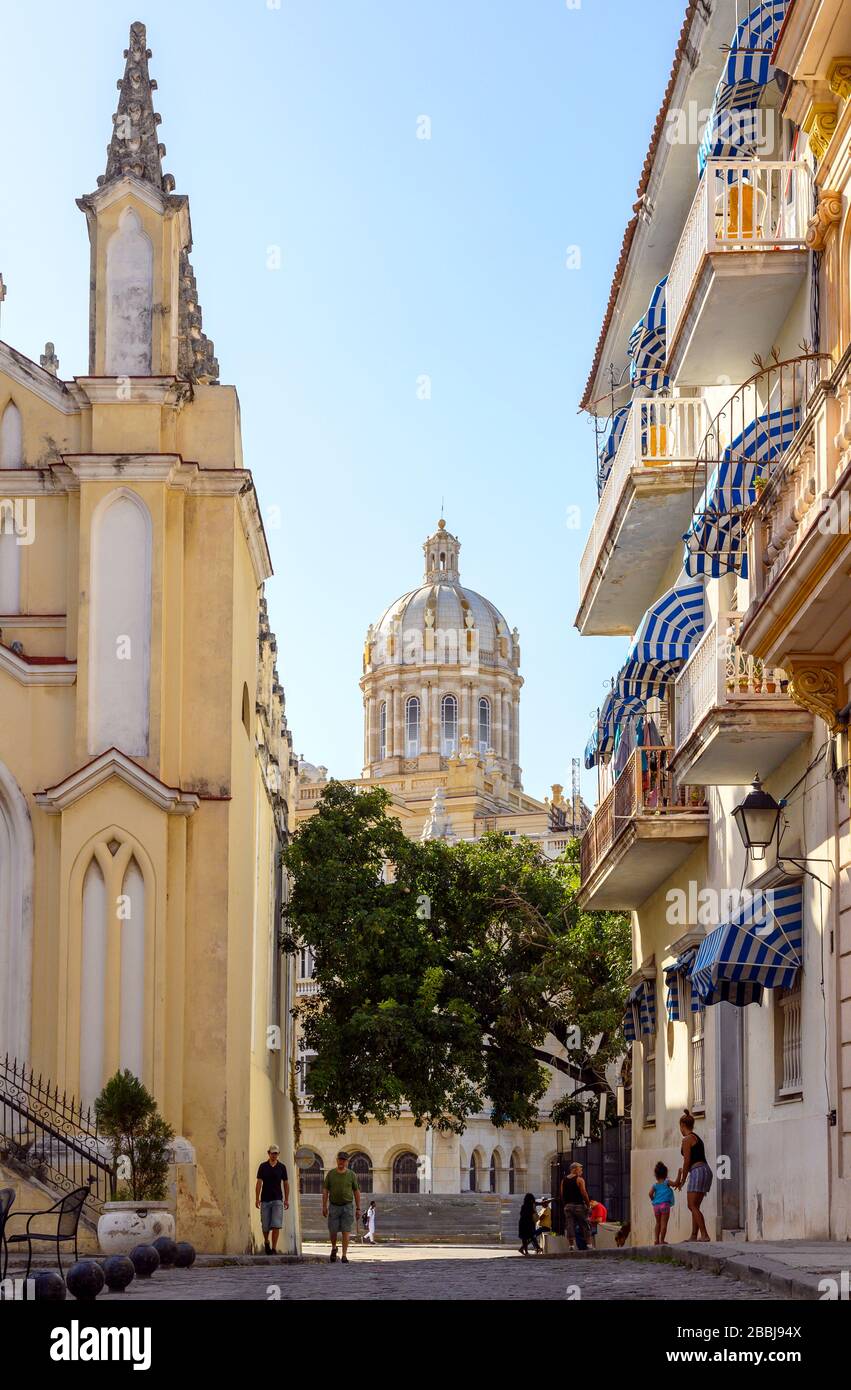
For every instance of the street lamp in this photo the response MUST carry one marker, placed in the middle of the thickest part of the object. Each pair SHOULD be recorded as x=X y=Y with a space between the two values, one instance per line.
x=757 y=818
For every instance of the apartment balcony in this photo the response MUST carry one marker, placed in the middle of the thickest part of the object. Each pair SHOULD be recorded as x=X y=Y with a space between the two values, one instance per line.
x=739 y=263
x=799 y=546
x=732 y=716
x=640 y=833
x=646 y=502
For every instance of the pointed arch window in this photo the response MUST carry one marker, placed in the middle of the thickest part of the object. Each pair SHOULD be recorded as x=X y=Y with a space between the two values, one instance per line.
x=484 y=725
x=412 y=727
x=382 y=731
x=448 y=725
x=11 y=438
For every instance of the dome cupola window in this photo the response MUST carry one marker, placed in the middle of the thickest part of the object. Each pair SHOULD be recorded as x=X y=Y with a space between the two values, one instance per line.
x=412 y=728
x=382 y=731
x=448 y=726
x=484 y=725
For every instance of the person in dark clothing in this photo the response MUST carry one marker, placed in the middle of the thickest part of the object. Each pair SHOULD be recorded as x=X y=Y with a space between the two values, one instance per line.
x=272 y=1196
x=575 y=1200
x=526 y=1226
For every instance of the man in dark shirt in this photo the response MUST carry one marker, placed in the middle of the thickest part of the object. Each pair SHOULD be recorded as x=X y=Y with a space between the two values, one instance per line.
x=272 y=1196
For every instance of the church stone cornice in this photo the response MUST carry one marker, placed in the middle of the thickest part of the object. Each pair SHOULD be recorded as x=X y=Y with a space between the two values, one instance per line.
x=54 y=800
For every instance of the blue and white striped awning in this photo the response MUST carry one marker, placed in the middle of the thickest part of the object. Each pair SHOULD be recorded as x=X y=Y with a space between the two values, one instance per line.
x=714 y=542
x=639 y=1020
x=613 y=439
x=760 y=948
x=749 y=59
x=671 y=627
x=615 y=710
x=682 y=997
x=647 y=346
x=733 y=128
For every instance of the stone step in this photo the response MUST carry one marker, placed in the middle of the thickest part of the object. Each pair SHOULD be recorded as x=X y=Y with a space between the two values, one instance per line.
x=474 y=1218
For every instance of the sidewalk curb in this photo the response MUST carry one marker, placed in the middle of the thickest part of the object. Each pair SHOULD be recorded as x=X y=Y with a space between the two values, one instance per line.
x=751 y=1268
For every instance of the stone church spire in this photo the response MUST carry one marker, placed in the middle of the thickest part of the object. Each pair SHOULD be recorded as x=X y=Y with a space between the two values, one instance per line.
x=135 y=147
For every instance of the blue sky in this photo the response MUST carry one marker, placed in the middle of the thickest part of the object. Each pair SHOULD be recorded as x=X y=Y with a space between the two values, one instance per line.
x=294 y=132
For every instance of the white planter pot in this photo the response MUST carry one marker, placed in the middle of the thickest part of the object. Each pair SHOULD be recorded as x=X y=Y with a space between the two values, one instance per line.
x=122 y=1225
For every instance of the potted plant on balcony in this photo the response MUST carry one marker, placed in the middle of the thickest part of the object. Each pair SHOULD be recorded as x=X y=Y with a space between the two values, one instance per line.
x=140 y=1139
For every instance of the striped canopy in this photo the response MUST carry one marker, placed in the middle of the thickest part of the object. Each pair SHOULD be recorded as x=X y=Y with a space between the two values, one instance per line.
x=639 y=1020
x=613 y=439
x=670 y=627
x=760 y=948
x=749 y=59
x=616 y=709
x=682 y=997
x=647 y=346
x=664 y=640
x=714 y=542
x=732 y=129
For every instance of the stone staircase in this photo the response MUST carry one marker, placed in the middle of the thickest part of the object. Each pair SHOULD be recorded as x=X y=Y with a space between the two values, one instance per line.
x=440 y=1218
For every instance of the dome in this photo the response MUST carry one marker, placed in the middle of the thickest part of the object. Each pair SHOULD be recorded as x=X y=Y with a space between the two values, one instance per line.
x=443 y=617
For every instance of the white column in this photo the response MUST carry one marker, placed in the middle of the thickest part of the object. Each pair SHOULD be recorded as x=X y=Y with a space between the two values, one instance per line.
x=464 y=729
x=425 y=721
x=497 y=731
x=434 y=746
x=398 y=723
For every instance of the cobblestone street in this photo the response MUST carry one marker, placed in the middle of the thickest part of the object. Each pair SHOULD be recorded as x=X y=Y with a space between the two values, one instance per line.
x=438 y=1272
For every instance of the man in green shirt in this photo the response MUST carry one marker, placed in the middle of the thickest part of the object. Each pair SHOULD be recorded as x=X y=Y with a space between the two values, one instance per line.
x=341 y=1203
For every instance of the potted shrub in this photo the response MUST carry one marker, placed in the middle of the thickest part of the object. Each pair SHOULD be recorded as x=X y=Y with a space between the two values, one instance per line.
x=140 y=1140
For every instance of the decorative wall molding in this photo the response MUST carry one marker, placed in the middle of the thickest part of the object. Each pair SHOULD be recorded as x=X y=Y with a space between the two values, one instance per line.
x=819 y=124
x=828 y=214
x=839 y=78
x=112 y=763
x=816 y=685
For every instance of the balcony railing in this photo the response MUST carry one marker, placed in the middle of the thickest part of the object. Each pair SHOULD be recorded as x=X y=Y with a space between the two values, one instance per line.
x=740 y=205
x=659 y=432
x=646 y=787
x=719 y=672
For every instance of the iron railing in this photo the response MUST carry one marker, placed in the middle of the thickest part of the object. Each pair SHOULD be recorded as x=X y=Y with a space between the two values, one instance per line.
x=645 y=787
x=52 y=1136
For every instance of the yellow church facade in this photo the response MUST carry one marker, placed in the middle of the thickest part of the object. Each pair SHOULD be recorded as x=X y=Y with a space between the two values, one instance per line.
x=441 y=690
x=146 y=768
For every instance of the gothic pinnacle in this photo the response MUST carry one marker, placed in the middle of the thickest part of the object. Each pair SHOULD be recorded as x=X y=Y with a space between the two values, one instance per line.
x=134 y=147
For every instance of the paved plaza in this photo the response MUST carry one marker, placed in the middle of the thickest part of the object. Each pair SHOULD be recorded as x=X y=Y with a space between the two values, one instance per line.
x=440 y=1272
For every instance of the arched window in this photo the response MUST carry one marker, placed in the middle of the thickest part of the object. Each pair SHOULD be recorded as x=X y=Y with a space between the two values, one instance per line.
x=246 y=710
x=473 y=1174
x=361 y=1166
x=131 y=1044
x=16 y=897
x=484 y=725
x=11 y=438
x=129 y=298
x=412 y=727
x=512 y=1175
x=382 y=731
x=93 y=985
x=492 y=1175
x=310 y=1179
x=448 y=725
x=406 y=1177
x=120 y=625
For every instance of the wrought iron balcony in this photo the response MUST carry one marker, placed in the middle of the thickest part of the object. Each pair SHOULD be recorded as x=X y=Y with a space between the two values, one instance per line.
x=646 y=499
x=731 y=712
x=641 y=831
x=737 y=267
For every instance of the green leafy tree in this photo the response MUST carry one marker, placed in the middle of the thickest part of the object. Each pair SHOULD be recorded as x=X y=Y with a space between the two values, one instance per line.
x=444 y=968
x=127 y=1116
